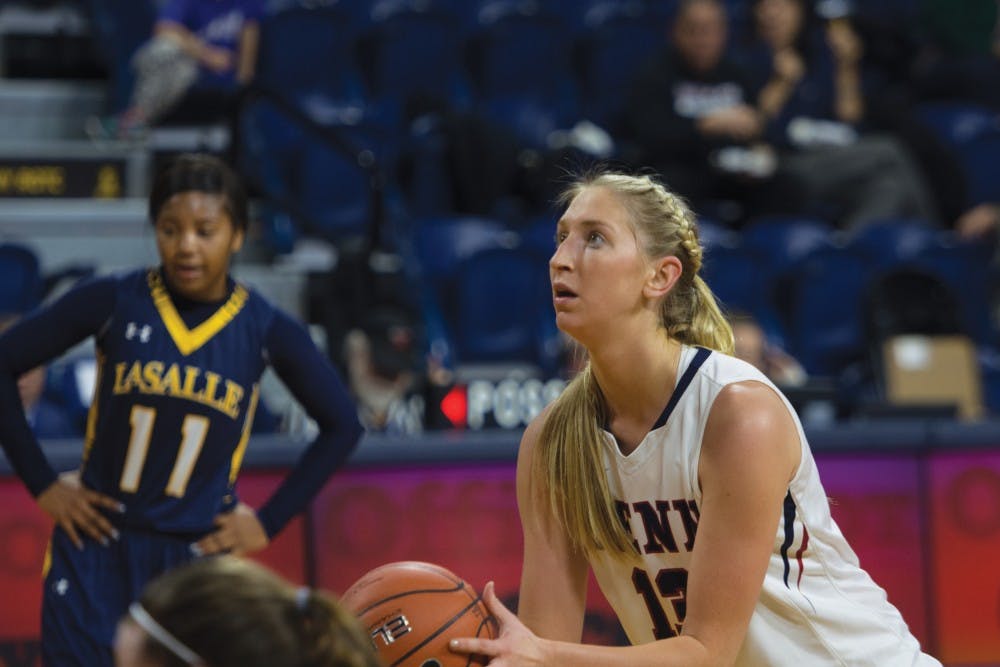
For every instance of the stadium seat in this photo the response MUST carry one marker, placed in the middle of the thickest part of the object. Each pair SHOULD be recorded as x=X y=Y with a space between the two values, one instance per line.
x=21 y=283
x=784 y=242
x=967 y=268
x=308 y=52
x=617 y=36
x=827 y=330
x=504 y=309
x=411 y=60
x=519 y=64
x=890 y=242
x=974 y=133
x=733 y=274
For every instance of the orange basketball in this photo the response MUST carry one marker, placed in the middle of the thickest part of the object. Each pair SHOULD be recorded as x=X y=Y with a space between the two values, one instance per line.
x=413 y=609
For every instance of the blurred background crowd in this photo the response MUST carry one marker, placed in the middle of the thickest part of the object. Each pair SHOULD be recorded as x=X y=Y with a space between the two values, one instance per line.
x=403 y=156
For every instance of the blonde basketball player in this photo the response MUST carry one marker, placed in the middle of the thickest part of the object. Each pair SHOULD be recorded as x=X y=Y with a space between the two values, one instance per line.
x=663 y=437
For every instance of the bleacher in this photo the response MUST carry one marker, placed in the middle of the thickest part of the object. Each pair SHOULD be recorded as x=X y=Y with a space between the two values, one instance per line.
x=343 y=141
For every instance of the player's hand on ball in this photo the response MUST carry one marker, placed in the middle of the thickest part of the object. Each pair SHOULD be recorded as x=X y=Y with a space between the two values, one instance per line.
x=238 y=532
x=75 y=509
x=516 y=645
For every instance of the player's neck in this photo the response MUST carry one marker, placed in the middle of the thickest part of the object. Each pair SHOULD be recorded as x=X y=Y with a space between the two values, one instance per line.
x=637 y=376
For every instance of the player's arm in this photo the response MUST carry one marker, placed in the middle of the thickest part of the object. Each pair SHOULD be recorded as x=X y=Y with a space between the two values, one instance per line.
x=749 y=453
x=317 y=386
x=32 y=341
x=249 y=46
x=554 y=575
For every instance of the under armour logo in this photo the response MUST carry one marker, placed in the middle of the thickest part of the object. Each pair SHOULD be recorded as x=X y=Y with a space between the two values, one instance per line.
x=144 y=332
x=61 y=587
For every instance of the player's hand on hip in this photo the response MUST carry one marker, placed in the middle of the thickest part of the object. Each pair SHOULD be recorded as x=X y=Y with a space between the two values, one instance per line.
x=237 y=532
x=515 y=646
x=76 y=509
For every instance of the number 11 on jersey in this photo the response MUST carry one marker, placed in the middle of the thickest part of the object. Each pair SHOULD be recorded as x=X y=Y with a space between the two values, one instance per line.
x=193 y=432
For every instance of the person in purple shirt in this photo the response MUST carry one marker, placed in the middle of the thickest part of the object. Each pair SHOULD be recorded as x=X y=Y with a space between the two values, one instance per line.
x=197 y=45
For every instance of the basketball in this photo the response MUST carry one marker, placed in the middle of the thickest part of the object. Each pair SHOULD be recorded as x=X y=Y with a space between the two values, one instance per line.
x=413 y=609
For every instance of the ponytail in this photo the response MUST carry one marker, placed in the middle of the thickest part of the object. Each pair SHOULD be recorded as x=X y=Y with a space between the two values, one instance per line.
x=570 y=458
x=571 y=446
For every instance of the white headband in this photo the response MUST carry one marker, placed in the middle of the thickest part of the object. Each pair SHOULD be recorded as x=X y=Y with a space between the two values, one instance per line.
x=161 y=635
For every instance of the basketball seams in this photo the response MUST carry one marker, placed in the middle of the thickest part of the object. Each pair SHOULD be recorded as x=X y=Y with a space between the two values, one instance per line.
x=418 y=591
x=397 y=604
x=444 y=626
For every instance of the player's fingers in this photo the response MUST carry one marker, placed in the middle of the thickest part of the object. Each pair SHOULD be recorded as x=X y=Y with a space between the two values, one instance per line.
x=494 y=606
x=212 y=543
x=88 y=521
x=107 y=502
x=487 y=647
x=70 y=530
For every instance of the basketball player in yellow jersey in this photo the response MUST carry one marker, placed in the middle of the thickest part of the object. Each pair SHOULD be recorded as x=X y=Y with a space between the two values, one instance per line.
x=675 y=471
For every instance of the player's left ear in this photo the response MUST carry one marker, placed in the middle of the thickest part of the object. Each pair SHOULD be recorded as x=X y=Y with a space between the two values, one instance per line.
x=663 y=275
x=237 y=242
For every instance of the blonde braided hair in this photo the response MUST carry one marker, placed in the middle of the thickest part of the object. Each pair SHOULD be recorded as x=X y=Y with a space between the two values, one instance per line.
x=569 y=457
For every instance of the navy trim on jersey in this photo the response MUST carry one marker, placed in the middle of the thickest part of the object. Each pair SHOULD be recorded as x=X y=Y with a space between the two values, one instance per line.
x=789 y=534
x=699 y=358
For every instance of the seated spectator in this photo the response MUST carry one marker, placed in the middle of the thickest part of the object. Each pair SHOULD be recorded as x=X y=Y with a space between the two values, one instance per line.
x=752 y=346
x=228 y=612
x=692 y=116
x=199 y=55
x=809 y=80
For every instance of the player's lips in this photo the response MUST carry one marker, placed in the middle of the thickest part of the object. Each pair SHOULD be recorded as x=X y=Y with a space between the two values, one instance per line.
x=561 y=293
x=187 y=272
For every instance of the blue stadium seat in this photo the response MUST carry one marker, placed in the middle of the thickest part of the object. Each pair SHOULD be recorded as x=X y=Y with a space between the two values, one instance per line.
x=967 y=268
x=412 y=56
x=308 y=52
x=519 y=65
x=890 y=242
x=467 y=267
x=504 y=309
x=974 y=133
x=443 y=243
x=21 y=283
x=827 y=325
x=734 y=276
x=784 y=242
x=618 y=36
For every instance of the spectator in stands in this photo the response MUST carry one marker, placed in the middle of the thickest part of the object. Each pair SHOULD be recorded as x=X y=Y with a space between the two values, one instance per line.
x=691 y=114
x=890 y=49
x=47 y=419
x=809 y=80
x=199 y=55
x=752 y=345
x=229 y=612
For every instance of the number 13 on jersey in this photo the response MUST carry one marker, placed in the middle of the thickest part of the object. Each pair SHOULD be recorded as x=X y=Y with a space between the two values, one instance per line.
x=669 y=584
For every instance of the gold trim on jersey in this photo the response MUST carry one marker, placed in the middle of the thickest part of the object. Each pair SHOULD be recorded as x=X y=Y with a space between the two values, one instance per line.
x=92 y=412
x=241 y=448
x=47 y=559
x=189 y=340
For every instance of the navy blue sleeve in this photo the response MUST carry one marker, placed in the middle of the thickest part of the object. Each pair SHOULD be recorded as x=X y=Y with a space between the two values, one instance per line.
x=315 y=383
x=39 y=337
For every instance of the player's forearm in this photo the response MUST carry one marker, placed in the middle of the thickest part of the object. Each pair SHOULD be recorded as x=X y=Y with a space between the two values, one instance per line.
x=680 y=651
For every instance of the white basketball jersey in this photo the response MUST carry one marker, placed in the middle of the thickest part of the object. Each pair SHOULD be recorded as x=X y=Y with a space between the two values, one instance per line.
x=816 y=607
